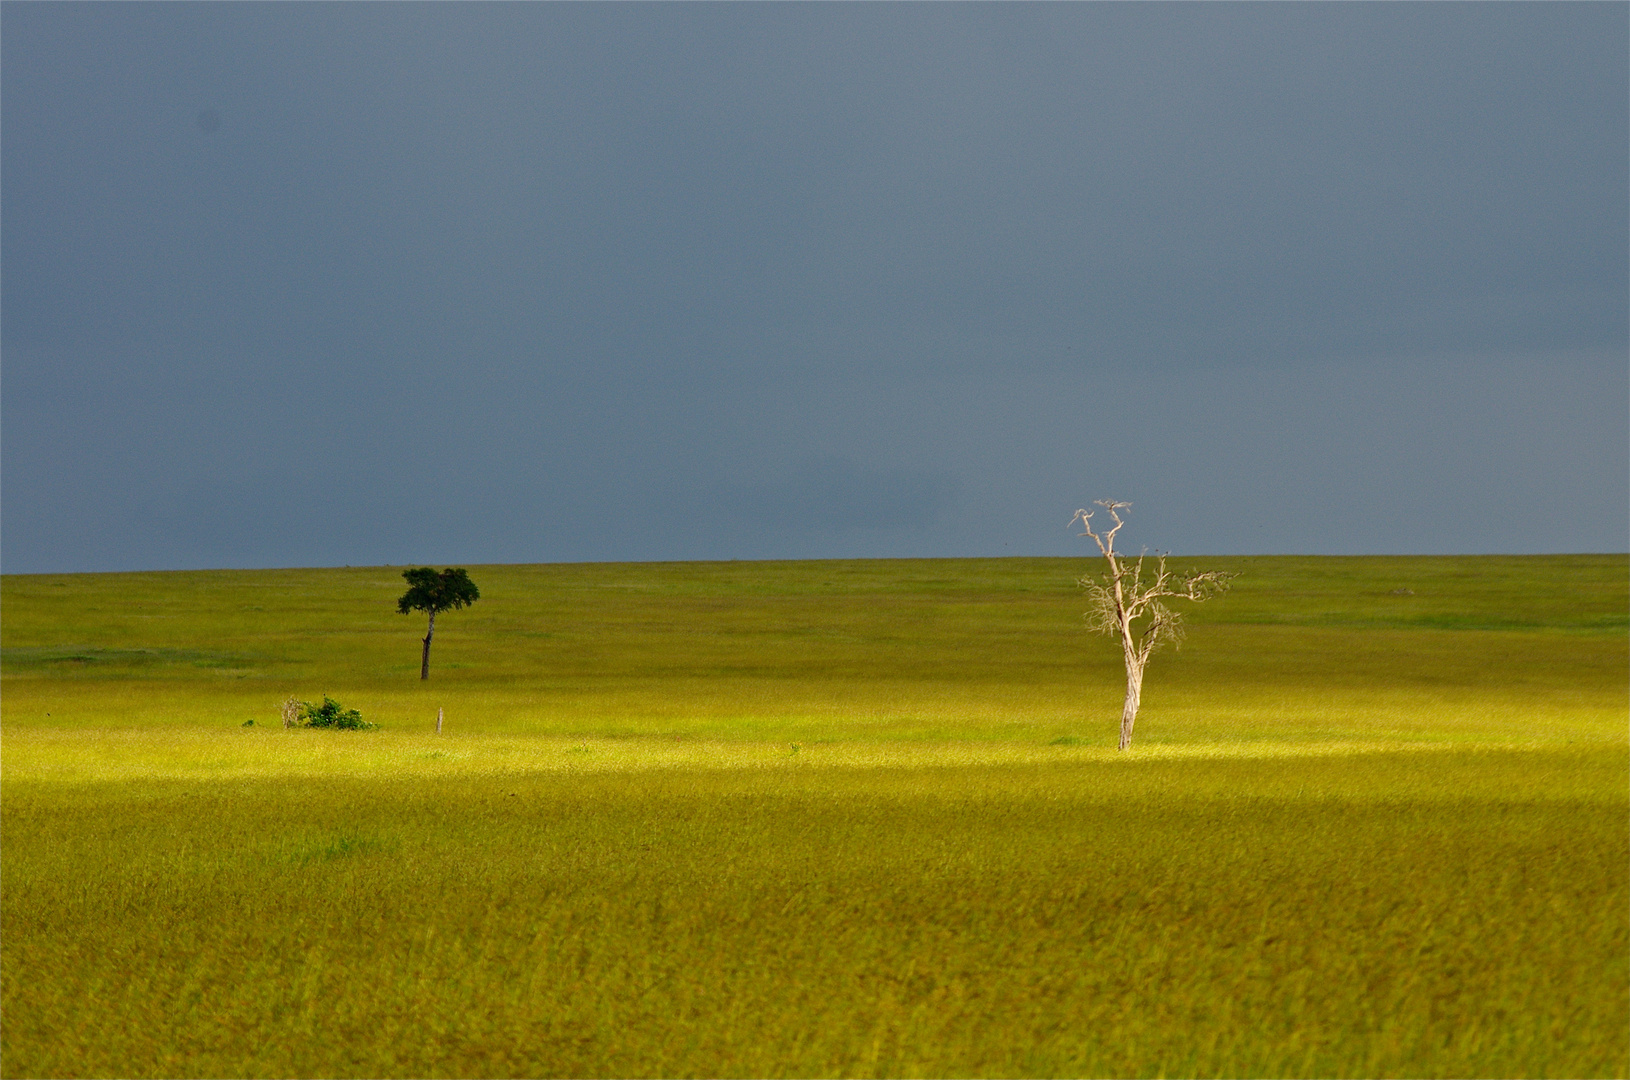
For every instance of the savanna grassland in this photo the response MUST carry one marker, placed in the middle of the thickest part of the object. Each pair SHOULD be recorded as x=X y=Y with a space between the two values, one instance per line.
x=821 y=818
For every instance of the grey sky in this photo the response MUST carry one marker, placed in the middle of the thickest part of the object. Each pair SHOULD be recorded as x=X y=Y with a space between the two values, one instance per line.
x=294 y=284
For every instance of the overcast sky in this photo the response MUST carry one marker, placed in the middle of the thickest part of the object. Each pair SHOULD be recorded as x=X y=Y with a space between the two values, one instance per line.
x=323 y=284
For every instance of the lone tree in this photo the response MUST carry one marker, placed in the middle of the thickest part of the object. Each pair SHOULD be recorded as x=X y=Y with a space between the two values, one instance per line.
x=1129 y=608
x=431 y=591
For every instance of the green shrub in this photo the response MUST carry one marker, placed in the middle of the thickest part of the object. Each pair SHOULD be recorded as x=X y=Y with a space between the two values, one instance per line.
x=331 y=714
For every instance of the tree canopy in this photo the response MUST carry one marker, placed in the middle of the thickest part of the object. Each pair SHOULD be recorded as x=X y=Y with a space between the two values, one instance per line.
x=433 y=591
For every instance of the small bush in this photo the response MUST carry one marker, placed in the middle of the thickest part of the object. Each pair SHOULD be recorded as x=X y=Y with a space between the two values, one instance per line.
x=331 y=714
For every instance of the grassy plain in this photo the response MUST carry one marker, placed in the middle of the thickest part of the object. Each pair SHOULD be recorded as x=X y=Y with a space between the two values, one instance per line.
x=828 y=818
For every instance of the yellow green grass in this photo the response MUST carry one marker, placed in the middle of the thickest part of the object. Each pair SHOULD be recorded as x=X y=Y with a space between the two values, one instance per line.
x=829 y=818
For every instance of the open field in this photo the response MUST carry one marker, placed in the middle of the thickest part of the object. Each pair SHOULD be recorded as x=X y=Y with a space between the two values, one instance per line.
x=830 y=818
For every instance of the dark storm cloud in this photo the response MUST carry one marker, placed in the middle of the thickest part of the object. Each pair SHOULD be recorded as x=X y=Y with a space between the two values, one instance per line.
x=365 y=283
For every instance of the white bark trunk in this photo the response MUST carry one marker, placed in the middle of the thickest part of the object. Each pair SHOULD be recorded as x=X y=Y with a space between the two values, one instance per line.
x=1134 y=690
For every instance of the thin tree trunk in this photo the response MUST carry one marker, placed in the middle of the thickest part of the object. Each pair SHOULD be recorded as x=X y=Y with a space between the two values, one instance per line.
x=1134 y=688
x=424 y=666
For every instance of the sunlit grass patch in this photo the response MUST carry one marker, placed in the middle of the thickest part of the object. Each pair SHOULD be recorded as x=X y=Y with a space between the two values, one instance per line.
x=818 y=819
x=134 y=755
x=1436 y=912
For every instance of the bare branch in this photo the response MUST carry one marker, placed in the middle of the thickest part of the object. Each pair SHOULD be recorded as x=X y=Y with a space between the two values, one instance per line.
x=1085 y=518
x=1114 y=509
x=1202 y=587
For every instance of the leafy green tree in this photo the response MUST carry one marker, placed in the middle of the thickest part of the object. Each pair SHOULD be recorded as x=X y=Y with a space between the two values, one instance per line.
x=433 y=592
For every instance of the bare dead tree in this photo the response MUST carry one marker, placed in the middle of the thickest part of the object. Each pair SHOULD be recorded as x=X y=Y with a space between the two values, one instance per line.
x=1127 y=606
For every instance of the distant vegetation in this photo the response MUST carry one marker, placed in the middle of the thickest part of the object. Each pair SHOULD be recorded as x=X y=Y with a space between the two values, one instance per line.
x=330 y=714
x=1363 y=832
